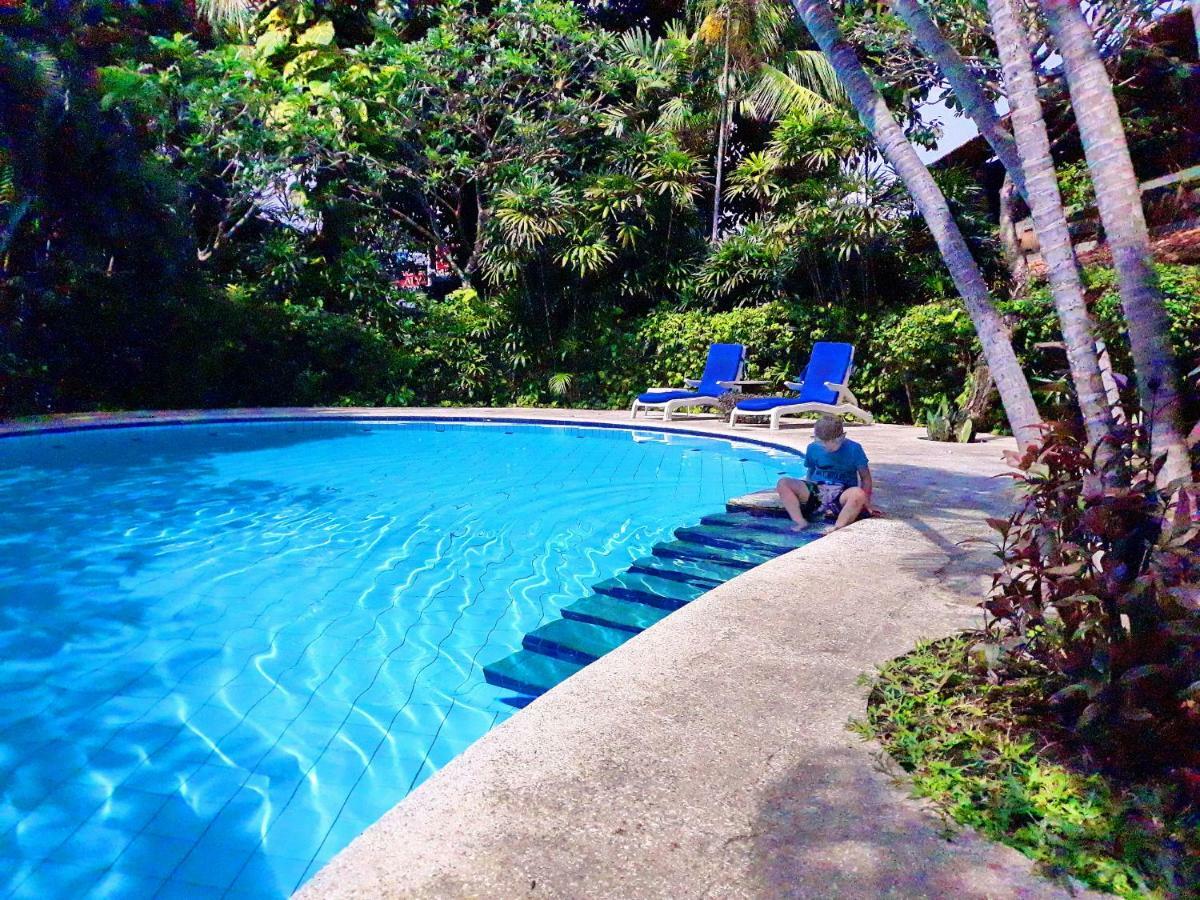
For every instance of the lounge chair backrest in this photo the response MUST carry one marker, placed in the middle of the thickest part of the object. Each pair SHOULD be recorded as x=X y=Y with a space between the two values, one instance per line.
x=724 y=364
x=829 y=362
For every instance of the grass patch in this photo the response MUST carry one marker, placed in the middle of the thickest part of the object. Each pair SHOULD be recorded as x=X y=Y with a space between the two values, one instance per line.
x=989 y=754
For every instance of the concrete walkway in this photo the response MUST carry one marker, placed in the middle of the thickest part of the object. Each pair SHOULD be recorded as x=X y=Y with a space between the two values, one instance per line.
x=709 y=756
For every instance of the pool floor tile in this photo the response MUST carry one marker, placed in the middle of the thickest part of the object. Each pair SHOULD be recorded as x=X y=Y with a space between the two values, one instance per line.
x=274 y=875
x=54 y=879
x=213 y=862
x=123 y=886
x=93 y=845
x=152 y=855
x=177 y=819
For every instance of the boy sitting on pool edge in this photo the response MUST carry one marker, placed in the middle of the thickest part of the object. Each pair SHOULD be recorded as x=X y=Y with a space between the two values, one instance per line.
x=838 y=483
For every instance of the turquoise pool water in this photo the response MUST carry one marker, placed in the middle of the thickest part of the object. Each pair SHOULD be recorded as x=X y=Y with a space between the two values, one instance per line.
x=228 y=648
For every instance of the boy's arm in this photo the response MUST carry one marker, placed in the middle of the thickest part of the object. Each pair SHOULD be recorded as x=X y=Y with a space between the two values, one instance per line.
x=865 y=482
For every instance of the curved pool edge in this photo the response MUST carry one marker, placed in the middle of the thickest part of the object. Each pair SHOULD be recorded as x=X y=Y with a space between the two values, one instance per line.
x=69 y=422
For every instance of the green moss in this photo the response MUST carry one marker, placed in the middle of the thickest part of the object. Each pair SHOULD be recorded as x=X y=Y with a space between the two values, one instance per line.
x=986 y=752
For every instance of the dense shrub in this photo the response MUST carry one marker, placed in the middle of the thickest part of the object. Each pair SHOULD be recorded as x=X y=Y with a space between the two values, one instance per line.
x=1100 y=581
x=674 y=343
x=978 y=742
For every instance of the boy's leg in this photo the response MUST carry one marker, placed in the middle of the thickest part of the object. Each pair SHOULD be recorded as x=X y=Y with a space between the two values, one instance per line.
x=794 y=494
x=854 y=501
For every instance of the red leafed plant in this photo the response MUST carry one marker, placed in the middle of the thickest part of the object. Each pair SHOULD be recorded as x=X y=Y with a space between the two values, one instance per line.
x=1101 y=581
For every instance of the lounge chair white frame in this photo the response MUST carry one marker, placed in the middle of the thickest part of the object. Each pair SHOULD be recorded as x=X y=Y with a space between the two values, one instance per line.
x=670 y=407
x=846 y=405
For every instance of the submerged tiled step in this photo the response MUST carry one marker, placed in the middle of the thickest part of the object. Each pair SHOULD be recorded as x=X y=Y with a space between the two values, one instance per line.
x=721 y=547
x=745 y=558
x=529 y=673
x=579 y=642
x=644 y=588
x=735 y=538
x=707 y=572
x=746 y=520
x=627 y=615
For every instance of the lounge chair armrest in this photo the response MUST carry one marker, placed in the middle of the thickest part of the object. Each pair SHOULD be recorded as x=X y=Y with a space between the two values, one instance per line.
x=796 y=386
x=692 y=382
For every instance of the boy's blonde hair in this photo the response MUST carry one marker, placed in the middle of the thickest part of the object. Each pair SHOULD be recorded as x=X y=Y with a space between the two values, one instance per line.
x=829 y=428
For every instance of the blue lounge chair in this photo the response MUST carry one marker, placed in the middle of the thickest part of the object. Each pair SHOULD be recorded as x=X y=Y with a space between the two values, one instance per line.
x=823 y=388
x=725 y=364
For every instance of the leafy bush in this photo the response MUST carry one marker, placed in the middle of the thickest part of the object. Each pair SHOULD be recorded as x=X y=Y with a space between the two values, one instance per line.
x=1100 y=580
x=674 y=344
x=1180 y=284
x=977 y=741
x=925 y=351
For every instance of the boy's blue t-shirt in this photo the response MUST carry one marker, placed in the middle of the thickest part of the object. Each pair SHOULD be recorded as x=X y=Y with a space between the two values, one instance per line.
x=835 y=468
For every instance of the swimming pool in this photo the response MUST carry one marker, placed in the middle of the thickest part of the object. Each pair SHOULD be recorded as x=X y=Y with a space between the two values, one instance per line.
x=228 y=648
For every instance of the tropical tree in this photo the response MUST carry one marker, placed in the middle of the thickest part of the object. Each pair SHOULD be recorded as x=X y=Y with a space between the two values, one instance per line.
x=1118 y=199
x=966 y=84
x=898 y=151
x=758 y=76
x=1045 y=203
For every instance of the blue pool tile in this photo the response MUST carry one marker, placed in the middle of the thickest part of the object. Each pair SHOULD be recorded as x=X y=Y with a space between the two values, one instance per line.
x=209 y=787
x=152 y=855
x=245 y=818
x=446 y=748
x=213 y=722
x=128 y=808
x=264 y=876
x=123 y=886
x=53 y=879
x=93 y=844
x=213 y=862
x=176 y=818
x=158 y=777
x=80 y=796
x=297 y=832
x=177 y=889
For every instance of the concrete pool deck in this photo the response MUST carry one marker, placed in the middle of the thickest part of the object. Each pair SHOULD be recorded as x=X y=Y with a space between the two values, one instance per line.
x=709 y=755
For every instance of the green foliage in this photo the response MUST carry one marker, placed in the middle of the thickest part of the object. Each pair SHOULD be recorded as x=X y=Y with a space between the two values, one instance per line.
x=675 y=343
x=939 y=425
x=1100 y=566
x=1180 y=284
x=977 y=739
x=926 y=350
x=1075 y=184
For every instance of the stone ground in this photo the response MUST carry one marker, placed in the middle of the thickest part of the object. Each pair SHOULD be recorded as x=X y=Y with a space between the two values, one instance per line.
x=709 y=756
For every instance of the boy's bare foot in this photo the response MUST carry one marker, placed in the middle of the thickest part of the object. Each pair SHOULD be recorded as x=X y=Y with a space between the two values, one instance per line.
x=799 y=526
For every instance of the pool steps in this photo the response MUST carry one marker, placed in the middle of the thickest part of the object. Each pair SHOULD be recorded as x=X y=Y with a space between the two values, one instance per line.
x=678 y=571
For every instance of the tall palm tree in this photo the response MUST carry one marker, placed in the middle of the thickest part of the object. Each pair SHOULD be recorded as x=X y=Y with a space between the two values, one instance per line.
x=1118 y=198
x=899 y=152
x=1045 y=203
x=758 y=77
x=965 y=84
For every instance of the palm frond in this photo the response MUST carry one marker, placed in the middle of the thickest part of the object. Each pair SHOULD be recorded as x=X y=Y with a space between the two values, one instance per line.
x=225 y=12
x=776 y=93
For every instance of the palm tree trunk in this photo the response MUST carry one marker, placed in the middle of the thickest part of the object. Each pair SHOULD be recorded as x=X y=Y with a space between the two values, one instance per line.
x=1195 y=5
x=1010 y=242
x=899 y=152
x=722 y=131
x=1119 y=200
x=1045 y=203
x=965 y=84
